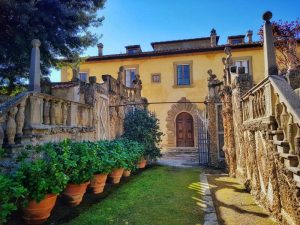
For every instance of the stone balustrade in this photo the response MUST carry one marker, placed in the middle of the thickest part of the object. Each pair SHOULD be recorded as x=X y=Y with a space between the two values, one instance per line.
x=116 y=87
x=41 y=111
x=275 y=99
x=255 y=101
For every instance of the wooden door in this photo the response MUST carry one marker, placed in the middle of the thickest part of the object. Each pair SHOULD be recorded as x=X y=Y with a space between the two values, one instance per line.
x=184 y=130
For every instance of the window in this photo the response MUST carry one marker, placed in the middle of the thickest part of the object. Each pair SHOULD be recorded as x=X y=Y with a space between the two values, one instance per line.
x=132 y=51
x=130 y=76
x=83 y=76
x=155 y=78
x=242 y=63
x=183 y=74
x=236 y=41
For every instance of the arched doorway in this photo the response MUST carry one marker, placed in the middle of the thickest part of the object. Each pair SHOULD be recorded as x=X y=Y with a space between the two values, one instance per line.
x=184 y=130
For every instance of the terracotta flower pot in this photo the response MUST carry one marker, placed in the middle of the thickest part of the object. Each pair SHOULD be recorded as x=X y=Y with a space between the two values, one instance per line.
x=116 y=175
x=126 y=173
x=98 y=183
x=73 y=193
x=39 y=212
x=142 y=163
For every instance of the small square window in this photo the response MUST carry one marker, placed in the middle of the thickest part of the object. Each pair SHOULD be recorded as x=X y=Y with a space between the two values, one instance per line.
x=155 y=78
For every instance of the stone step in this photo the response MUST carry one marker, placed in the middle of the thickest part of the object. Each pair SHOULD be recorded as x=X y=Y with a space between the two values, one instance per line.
x=290 y=160
x=295 y=170
x=282 y=146
x=278 y=134
x=296 y=178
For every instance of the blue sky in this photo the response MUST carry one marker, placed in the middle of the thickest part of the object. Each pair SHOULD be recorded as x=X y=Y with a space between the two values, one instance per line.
x=129 y=22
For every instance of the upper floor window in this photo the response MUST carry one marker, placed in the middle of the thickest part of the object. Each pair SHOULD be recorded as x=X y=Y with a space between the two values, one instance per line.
x=236 y=41
x=183 y=74
x=83 y=76
x=242 y=63
x=130 y=76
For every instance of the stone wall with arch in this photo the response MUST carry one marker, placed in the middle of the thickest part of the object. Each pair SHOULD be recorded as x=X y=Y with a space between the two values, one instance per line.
x=183 y=105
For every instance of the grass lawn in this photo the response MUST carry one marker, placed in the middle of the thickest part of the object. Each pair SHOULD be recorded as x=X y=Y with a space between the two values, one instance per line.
x=158 y=196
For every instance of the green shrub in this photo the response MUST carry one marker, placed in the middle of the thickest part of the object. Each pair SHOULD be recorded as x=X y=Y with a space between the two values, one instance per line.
x=77 y=159
x=102 y=162
x=10 y=192
x=134 y=152
x=142 y=126
x=42 y=176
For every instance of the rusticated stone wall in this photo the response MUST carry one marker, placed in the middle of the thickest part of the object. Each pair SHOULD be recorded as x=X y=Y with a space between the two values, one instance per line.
x=265 y=138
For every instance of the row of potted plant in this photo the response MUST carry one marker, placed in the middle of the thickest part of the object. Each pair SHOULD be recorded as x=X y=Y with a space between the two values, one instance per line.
x=65 y=168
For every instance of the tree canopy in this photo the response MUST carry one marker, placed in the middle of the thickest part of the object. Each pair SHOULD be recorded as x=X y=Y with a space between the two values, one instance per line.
x=285 y=33
x=62 y=26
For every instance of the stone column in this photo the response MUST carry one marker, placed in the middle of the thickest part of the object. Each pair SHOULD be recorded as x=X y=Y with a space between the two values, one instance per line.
x=213 y=97
x=35 y=71
x=269 y=50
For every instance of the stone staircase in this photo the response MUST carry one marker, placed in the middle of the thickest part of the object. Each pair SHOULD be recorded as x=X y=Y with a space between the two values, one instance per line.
x=290 y=160
x=181 y=156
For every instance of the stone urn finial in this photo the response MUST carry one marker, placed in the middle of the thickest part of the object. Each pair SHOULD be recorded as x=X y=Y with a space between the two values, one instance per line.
x=267 y=16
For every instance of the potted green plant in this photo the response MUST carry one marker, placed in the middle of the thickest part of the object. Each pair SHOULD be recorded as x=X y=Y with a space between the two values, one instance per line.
x=102 y=166
x=117 y=155
x=10 y=192
x=43 y=179
x=76 y=160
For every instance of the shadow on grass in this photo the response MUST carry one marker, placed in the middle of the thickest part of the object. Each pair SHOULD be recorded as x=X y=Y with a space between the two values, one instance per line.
x=236 y=194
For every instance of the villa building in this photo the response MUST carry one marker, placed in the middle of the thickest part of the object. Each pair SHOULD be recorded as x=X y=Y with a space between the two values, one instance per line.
x=174 y=77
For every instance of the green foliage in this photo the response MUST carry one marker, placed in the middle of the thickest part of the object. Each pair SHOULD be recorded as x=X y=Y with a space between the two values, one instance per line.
x=77 y=159
x=56 y=164
x=10 y=192
x=142 y=126
x=42 y=176
x=61 y=26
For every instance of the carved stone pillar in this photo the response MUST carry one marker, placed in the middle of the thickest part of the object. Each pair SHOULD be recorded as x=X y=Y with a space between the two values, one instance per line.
x=58 y=113
x=34 y=113
x=20 y=120
x=11 y=126
x=65 y=113
x=52 y=112
x=46 y=112
x=229 y=142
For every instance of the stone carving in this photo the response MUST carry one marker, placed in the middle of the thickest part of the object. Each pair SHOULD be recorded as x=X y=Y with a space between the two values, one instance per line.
x=20 y=118
x=227 y=62
x=137 y=85
x=11 y=126
x=175 y=109
x=212 y=78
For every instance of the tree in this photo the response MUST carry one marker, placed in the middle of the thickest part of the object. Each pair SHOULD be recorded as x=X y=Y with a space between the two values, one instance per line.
x=285 y=35
x=61 y=25
x=142 y=126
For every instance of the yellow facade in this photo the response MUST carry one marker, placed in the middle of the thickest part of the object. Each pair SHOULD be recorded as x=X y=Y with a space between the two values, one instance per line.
x=166 y=91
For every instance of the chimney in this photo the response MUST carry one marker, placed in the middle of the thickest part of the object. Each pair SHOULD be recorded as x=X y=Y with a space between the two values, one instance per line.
x=249 y=35
x=100 y=49
x=213 y=38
